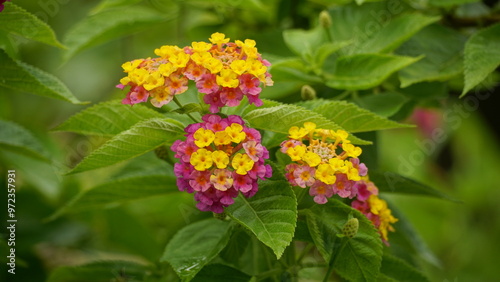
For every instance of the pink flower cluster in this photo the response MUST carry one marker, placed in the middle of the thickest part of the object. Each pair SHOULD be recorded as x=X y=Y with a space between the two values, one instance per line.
x=220 y=158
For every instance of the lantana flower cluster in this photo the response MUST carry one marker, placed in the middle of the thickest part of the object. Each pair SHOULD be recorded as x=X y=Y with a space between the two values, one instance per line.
x=374 y=208
x=220 y=158
x=324 y=161
x=327 y=163
x=224 y=71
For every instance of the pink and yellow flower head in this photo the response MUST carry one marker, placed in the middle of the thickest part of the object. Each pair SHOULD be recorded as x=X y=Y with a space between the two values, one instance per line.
x=220 y=158
x=374 y=208
x=224 y=71
x=323 y=160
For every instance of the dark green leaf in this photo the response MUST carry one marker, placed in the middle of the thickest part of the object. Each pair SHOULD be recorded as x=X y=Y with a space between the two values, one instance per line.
x=355 y=119
x=365 y=71
x=19 y=76
x=442 y=48
x=482 y=56
x=391 y=182
x=15 y=20
x=107 y=118
x=102 y=271
x=16 y=138
x=195 y=245
x=220 y=273
x=107 y=25
x=385 y=104
x=189 y=108
x=304 y=42
x=398 y=270
x=271 y=214
x=361 y=257
x=141 y=138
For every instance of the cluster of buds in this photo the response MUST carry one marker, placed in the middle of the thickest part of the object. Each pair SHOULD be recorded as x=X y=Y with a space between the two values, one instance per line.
x=220 y=158
x=224 y=71
x=374 y=208
x=324 y=161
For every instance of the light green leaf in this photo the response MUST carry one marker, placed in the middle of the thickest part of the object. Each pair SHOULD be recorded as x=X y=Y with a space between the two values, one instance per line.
x=196 y=245
x=99 y=271
x=220 y=273
x=397 y=269
x=361 y=257
x=189 y=108
x=141 y=138
x=391 y=182
x=14 y=137
x=285 y=116
x=293 y=70
x=395 y=32
x=482 y=56
x=325 y=50
x=108 y=25
x=15 y=20
x=442 y=48
x=355 y=119
x=107 y=119
x=385 y=104
x=271 y=214
x=19 y=76
x=365 y=71
x=304 y=42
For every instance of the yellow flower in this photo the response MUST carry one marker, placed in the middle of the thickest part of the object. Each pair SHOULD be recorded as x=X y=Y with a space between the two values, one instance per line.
x=218 y=38
x=325 y=174
x=309 y=126
x=351 y=150
x=220 y=158
x=154 y=80
x=201 y=58
x=203 y=137
x=234 y=131
x=213 y=65
x=129 y=66
x=180 y=60
x=222 y=138
x=352 y=172
x=242 y=163
x=312 y=159
x=166 y=69
x=297 y=133
x=379 y=207
x=201 y=46
x=296 y=152
x=239 y=66
x=256 y=68
x=228 y=78
x=201 y=159
x=338 y=165
x=167 y=50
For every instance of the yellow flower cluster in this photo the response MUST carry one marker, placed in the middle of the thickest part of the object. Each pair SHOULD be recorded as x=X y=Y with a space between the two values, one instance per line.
x=379 y=208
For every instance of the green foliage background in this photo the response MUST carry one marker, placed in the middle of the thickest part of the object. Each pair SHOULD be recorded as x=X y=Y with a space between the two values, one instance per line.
x=378 y=62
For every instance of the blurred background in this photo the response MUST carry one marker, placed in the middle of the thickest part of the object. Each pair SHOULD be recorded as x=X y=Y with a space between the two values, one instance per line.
x=463 y=161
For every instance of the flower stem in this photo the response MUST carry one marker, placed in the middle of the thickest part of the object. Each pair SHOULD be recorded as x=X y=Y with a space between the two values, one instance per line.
x=180 y=106
x=335 y=253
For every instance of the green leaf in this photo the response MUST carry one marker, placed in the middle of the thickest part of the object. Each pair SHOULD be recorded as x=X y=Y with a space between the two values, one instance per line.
x=449 y=3
x=365 y=71
x=285 y=116
x=325 y=50
x=220 y=273
x=196 y=245
x=107 y=118
x=17 y=21
x=293 y=70
x=482 y=56
x=397 y=269
x=19 y=76
x=189 y=108
x=355 y=119
x=271 y=214
x=139 y=139
x=361 y=257
x=395 y=32
x=99 y=271
x=16 y=138
x=442 y=48
x=391 y=182
x=108 y=25
x=385 y=104
x=304 y=42
x=106 y=4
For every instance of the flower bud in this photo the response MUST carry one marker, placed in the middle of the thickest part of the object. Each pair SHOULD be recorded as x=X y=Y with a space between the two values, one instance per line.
x=350 y=228
x=307 y=93
x=325 y=20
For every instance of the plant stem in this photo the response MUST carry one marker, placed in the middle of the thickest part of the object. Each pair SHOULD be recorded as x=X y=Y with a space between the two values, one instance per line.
x=304 y=252
x=180 y=106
